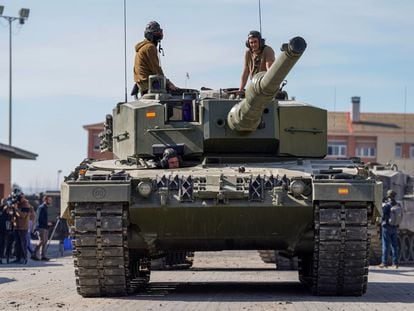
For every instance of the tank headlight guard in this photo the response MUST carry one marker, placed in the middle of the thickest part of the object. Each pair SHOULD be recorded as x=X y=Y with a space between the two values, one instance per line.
x=144 y=188
x=297 y=187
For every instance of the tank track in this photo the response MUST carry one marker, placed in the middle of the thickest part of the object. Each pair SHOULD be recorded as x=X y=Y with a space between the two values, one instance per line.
x=282 y=263
x=267 y=256
x=179 y=260
x=406 y=247
x=286 y=264
x=339 y=263
x=375 y=246
x=101 y=256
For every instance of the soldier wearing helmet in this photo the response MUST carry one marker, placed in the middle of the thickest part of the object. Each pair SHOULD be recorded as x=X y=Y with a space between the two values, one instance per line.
x=146 y=58
x=170 y=159
x=258 y=57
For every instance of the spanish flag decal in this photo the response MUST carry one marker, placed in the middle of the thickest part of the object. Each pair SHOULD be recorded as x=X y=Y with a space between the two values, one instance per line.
x=343 y=191
x=151 y=114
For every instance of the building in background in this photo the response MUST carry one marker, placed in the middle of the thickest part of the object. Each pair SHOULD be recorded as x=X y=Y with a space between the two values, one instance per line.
x=7 y=153
x=94 y=151
x=374 y=137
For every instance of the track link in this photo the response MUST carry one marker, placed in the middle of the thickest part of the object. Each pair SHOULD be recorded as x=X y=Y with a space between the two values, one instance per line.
x=101 y=256
x=339 y=265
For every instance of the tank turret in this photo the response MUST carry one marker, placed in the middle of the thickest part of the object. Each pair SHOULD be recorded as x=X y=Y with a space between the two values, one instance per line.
x=216 y=125
x=245 y=116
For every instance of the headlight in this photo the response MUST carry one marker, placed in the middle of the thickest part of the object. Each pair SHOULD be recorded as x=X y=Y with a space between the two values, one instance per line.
x=297 y=187
x=144 y=188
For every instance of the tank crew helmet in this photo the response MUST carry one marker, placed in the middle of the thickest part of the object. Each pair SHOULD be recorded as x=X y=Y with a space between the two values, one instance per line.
x=153 y=32
x=168 y=154
x=391 y=194
x=258 y=35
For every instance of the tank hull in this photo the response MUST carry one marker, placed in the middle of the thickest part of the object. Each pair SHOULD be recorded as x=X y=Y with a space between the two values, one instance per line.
x=118 y=230
x=224 y=227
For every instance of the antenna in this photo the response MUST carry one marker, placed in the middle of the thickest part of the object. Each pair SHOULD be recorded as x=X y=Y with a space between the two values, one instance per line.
x=187 y=77
x=334 y=108
x=125 y=54
x=260 y=19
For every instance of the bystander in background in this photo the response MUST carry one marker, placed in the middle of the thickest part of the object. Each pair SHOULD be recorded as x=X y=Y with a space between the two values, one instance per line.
x=42 y=226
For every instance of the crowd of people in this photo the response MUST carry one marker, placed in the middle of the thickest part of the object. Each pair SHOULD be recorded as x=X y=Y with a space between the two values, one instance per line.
x=18 y=222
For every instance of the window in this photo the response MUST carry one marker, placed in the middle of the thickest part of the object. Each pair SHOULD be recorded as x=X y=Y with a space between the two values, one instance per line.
x=96 y=142
x=398 y=151
x=337 y=149
x=365 y=152
x=411 y=151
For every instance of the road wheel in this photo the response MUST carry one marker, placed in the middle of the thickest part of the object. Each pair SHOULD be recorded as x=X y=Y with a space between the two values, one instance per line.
x=412 y=248
x=405 y=248
x=400 y=253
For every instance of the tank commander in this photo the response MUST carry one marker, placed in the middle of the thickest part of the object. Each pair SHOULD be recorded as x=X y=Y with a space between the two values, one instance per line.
x=258 y=57
x=146 y=59
x=170 y=159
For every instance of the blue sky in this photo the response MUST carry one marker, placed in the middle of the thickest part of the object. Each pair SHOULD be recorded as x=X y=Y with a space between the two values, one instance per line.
x=68 y=61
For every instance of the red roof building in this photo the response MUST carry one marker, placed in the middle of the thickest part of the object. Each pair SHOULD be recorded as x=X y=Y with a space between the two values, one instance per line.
x=94 y=151
x=7 y=153
x=374 y=137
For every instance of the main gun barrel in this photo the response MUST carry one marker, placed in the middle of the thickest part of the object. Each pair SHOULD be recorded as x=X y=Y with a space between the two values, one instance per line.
x=245 y=116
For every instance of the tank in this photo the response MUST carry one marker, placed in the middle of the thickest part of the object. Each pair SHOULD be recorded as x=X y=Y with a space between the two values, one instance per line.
x=402 y=183
x=252 y=177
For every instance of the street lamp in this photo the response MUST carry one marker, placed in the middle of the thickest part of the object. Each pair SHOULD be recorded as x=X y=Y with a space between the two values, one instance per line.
x=23 y=15
x=58 y=178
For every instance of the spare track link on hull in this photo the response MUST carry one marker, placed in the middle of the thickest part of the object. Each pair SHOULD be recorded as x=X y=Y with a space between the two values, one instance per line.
x=101 y=256
x=340 y=258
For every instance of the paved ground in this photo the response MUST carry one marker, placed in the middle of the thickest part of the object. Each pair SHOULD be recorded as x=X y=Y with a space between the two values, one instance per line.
x=218 y=281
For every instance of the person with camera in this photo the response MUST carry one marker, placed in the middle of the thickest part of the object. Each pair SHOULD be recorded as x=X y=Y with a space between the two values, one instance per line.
x=42 y=227
x=258 y=57
x=8 y=215
x=25 y=214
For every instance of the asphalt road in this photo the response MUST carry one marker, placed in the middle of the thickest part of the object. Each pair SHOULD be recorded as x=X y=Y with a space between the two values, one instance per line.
x=228 y=280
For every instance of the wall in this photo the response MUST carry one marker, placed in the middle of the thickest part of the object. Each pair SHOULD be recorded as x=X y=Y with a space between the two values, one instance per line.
x=386 y=153
x=5 y=176
x=94 y=153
